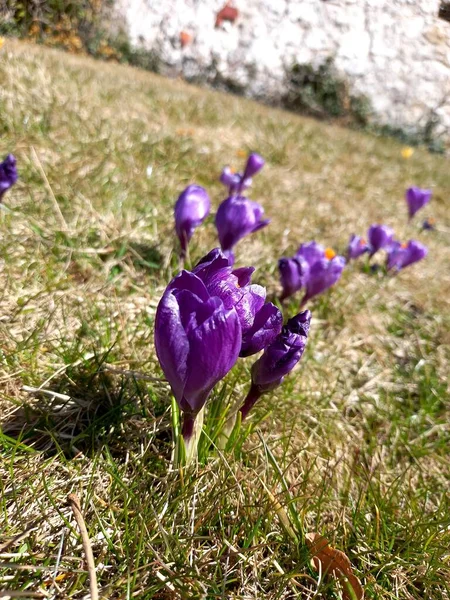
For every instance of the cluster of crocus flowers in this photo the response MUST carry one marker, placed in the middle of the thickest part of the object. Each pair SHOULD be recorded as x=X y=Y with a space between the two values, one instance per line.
x=8 y=175
x=416 y=198
x=379 y=237
x=313 y=268
x=205 y=320
x=191 y=209
x=238 y=216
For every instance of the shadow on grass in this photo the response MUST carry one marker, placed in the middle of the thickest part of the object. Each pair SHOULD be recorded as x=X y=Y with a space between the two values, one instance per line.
x=145 y=257
x=89 y=407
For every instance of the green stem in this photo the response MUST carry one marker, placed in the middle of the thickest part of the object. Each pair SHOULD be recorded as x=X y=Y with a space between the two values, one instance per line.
x=191 y=432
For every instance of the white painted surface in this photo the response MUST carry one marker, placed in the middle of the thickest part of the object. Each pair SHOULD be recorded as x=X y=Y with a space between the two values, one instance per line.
x=396 y=52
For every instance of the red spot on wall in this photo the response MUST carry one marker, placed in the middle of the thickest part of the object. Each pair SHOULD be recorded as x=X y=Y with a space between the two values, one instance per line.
x=227 y=13
x=185 y=38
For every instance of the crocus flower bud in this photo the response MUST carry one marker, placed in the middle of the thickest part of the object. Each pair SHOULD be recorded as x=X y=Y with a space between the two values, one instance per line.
x=191 y=208
x=197 y=342
x=402 y=255
x=322 y=275
x=237 y=217
x=8 y=174
x=255 y=163
x=379 y=236
x=278 y=359
x=416 y=198
x=294 y=273
x=356 y=247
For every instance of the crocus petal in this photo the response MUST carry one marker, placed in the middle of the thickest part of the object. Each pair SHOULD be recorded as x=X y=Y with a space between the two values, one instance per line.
x=237 y=217
x=323 y=274
x=416 y=198
x=214 y=349
x=394 y=255
x=185 y=280
x=197 y=342
x=283 y=354
x=294 y=273
x=231 y=180
x=210 y=264
x=379 y=236
x=414 y=252
x=266 y=326
x=255 y=163
x=192 y=207
x=172 y=345
x=311 y=252
x=356 y=247
x=243 y=275
x=8 y=174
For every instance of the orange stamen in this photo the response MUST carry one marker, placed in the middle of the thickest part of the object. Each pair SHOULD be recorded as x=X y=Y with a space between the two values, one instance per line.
x=330 y=253
x=362 y=242
x=404 y=245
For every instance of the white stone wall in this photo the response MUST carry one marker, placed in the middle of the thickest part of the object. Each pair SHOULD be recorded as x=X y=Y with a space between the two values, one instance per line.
x=396 y=52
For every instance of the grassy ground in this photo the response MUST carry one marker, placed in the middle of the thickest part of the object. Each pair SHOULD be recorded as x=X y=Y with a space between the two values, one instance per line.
x=360 y=432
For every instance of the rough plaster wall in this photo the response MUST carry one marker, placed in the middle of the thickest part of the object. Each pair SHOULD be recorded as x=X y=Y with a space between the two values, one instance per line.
x=396 y=52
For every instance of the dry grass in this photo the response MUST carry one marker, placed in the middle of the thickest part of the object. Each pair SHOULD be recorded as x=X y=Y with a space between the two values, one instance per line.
x=361 y=432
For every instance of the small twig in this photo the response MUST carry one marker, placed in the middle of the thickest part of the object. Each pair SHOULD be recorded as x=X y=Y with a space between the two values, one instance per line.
x=76 y=509
x=50 y=191
x=58 y=558
x=51 y=393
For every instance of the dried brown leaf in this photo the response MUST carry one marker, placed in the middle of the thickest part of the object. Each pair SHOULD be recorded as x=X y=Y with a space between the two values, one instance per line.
x=334 y=563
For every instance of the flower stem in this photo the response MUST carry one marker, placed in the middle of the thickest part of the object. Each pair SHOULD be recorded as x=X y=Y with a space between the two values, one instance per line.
x=191 y=431
x=252 y=397
x=226 y=432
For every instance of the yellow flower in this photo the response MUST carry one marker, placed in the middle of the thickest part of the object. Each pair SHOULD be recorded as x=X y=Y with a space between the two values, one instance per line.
x=407 y=152
x=2 y=41
x=241 y=153
x=330 y=253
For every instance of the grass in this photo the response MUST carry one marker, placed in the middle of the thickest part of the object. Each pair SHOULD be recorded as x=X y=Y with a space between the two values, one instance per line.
x=353 y=446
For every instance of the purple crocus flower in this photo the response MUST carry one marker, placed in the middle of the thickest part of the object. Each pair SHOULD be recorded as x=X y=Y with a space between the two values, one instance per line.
x=8 y=174
x=429 y=224
x=237 y=217
x=294 y=273
x=191 y=208
x=322 y=275
x=278 y=359
x=197 y=341
x=311 y=252
x=237 y=182
x=260 y=322
x=233 y=181
x=379 y=236
x=356 y=247
x=402 y=255
x=416 y=198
